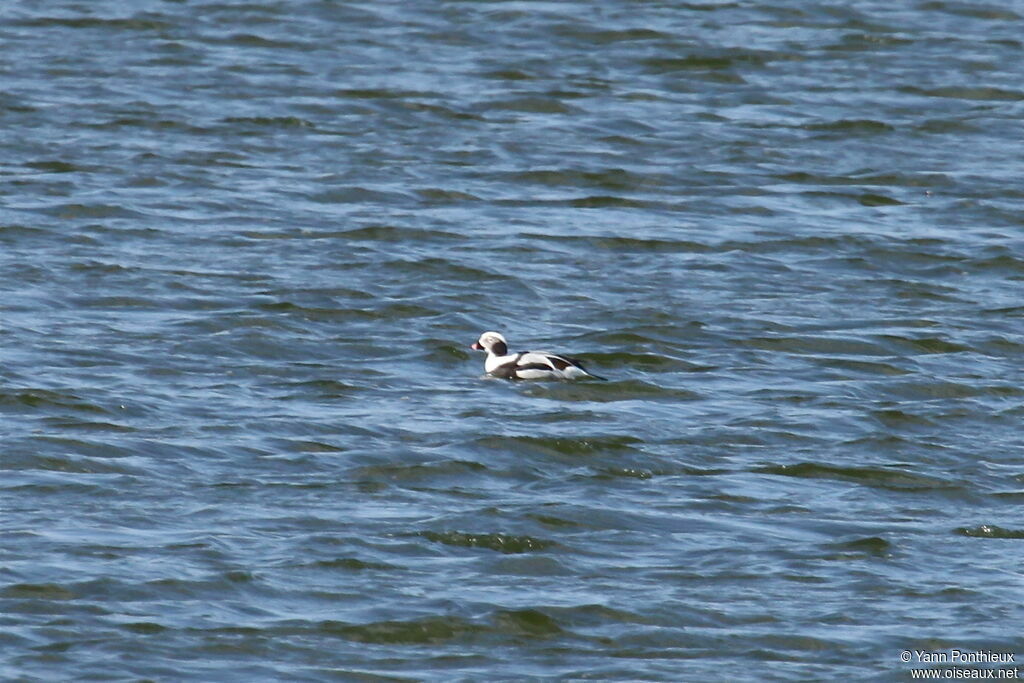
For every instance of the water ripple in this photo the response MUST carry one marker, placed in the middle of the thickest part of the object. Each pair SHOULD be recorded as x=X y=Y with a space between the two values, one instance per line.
x=246 y=247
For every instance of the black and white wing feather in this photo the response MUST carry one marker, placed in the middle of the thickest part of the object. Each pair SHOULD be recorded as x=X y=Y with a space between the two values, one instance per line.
x=542 y=365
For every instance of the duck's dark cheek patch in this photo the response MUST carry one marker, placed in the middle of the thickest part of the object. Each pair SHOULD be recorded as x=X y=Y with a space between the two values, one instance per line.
x=500 y=348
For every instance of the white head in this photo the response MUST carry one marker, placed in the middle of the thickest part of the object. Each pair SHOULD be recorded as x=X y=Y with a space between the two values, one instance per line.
x=492 y=343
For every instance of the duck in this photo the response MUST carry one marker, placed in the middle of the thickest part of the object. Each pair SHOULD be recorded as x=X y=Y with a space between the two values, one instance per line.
x=527 y=364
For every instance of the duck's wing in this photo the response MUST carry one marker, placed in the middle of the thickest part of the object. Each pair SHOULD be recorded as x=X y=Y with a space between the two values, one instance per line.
x=538 y=371
x=541 y=359
x=557 y=365
x=539 y=365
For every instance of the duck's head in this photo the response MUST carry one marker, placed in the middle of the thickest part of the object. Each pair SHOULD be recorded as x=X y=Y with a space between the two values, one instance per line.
x=491 y=342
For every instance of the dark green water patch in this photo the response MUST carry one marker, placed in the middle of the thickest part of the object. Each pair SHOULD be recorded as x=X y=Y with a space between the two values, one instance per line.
x=37 y=591
x=502 y=543
x=583 y=32
x=926 y=345
x=981 y=10
x=402 y=473
x=55 y=166
x=617 y=179
x=967 y=92
x=396 y=234
x=627 y=472
x=526 y=622
x=72 y=424
x=901 y=419
x=556 y=522
x=726 y=59
x=814 y=345
x=436 y=195
x=144 y=627
x=607 y=201
x=47 y=399
x=874 y=199
x=610 y=391
x=989 y=531
x=531 y=105
x=269 y=121
x=868 y=476
x=623 y=245
x=426 y=631
x=357 y=194
x=562 y=446
x=861 y=547
x=848 y=126
x=868 y=178
x=316 y=389
x=351 y=564
x=859 y=367
x=139 y=23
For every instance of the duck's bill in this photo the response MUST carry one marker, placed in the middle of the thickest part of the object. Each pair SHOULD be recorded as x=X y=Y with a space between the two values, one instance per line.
x=476 y=346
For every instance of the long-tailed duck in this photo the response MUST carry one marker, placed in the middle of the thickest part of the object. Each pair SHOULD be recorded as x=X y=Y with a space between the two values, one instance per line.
x=526 y=364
